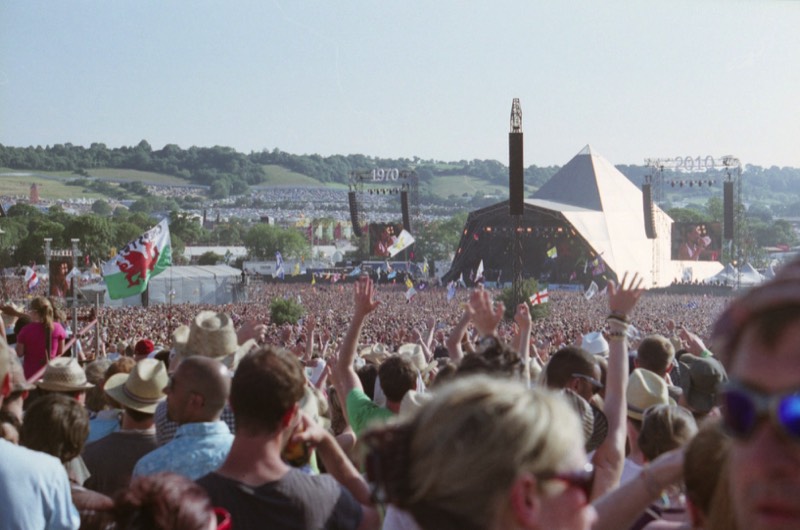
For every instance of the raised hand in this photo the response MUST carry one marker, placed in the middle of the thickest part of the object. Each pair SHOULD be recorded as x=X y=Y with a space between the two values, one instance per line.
x=364 y=297
x=484 y=313
x=623 y=298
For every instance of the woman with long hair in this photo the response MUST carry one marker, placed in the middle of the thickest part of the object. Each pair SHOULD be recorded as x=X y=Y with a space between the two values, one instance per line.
x=42 y=339
x=486 y=453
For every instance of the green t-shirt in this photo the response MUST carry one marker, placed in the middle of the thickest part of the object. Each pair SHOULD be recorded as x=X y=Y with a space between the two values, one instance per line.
x=363 y=412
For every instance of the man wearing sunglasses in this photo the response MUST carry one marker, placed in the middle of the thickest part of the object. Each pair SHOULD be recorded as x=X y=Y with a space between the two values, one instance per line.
x=758 y=338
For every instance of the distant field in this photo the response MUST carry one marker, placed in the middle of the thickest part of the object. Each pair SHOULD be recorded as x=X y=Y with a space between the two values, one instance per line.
x=280 y=176
x=49 y=188
x=134 y=175
x=460 y=184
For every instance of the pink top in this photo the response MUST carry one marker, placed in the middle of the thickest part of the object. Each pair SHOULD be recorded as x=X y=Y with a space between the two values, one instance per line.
x=32 y=337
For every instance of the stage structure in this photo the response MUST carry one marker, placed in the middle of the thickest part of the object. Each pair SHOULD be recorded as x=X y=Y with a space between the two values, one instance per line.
x=516 y=195
x=370 y=192
x=734 y=221
x=585 y=224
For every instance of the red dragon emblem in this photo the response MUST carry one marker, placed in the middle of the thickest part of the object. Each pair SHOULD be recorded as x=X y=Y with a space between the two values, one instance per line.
x=136 y=262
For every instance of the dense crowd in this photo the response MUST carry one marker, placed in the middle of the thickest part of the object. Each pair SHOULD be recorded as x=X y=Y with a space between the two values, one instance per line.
x=626 y=410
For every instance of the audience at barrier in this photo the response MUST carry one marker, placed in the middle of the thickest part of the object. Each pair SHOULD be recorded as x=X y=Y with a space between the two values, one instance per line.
x=448 y=442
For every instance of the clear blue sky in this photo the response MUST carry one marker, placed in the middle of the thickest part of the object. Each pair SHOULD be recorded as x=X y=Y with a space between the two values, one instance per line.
x=434 y=79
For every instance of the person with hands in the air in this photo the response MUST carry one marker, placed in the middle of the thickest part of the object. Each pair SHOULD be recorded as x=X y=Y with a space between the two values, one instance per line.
x=396 y=374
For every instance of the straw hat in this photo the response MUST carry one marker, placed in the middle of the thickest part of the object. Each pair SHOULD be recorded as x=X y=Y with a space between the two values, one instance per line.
x=375 y=354
x=64 y=374
x=10 y=320
x=18 y=381
x=141 y=389
x=211 y=335
x=645 y=389
x=413 y=352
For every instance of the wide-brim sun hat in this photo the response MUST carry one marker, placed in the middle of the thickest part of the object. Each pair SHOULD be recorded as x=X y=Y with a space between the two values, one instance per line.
x=142 y=389
x=64 y=374
x=211 y=335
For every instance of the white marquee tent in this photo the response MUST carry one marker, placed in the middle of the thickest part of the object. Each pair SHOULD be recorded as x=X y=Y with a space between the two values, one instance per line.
x=211 y=284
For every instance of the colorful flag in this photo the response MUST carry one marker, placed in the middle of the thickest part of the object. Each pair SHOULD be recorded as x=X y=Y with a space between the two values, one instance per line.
x=461 y=281
x=451 y=290
x=539 y=298
x=31 y=279
x=591 y=291
x=313 y=278
x=409 y=283
x=403 y=241
x=296 y=270
x=128 y=273
x=425 y=266
x=279 y=273
x=410 y=294
x=552 y=253
x=391 y=275
x=356 y=271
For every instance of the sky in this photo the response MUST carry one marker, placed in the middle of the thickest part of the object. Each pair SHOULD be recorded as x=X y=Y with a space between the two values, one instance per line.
x=436 y=79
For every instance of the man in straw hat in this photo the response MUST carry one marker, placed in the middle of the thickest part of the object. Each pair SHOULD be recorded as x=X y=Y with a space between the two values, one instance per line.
x=112 y=458
x=34 y=488
x=397 y=375
x=757 y=339
x=196 y=394
x=209 y=335
x=64 y=375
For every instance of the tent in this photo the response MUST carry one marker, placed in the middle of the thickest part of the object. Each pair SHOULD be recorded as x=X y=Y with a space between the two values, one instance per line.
x=750 y=276
x=726 y=276
x=212 y=284
x=584 y=224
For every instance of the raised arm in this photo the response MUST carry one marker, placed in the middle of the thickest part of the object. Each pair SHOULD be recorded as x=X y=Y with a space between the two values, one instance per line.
x=453 y=341
x=610 y=456
x=484 y=313
x=523 y=319
x=364 y=298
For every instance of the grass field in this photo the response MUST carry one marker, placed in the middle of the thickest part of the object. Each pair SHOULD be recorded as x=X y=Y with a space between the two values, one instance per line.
x=134 y=175
x=460 y=184
x=280 y=176
x=49 y=187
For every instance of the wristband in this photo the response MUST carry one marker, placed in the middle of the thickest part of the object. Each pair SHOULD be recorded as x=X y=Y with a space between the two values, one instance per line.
x=622 y=317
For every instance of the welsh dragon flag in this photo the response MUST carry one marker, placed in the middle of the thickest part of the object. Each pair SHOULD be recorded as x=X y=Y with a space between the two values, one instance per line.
x=128 y=273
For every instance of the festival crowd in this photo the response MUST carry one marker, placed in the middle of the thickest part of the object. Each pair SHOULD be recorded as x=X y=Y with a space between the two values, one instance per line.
x=629 y=410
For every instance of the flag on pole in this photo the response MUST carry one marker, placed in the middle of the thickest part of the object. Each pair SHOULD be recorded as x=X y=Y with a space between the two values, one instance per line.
x=296 y=270
x=591 y=291
x=552 y=253
x=461 y=281
x=409 y=283
x=356 y=271
x=279 y=272
x=539 y=298
x=479 y=272
x=451 y=290
x=31 y=279
x=403 y=241
x=425 y=266
x=410 y=294
x=128 y=273
x=313 y=278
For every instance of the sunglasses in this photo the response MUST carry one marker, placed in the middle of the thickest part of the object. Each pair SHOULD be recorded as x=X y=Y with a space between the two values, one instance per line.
x=583 y=479
x=596 y=385
x=743 y=409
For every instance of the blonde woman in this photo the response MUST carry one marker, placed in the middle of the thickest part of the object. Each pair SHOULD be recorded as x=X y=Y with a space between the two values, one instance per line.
x=42 y=339
x=486 y=453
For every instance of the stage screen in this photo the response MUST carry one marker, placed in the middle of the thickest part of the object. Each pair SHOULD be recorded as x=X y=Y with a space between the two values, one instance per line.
x=382 y=236
x=59 y=268
x=696 y=241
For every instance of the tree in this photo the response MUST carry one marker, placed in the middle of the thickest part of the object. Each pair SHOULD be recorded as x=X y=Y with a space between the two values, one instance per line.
x=285 y=311
x=96 y=234
x=529 y=288
x=263 y=241
x=209 y=258
x=101 y=207
x=686 y=215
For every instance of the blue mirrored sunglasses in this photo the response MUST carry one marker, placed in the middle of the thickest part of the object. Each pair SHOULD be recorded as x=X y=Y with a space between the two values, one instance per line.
x=743 y=409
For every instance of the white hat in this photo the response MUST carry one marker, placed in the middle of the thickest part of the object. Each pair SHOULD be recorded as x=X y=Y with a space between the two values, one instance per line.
x=595 y=343
x=211 y=335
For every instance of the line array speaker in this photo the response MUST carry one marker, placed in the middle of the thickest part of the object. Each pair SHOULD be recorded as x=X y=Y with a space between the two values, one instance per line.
x=351 y=197
x=649 y=215
x=404 y=206
x=727 y=210
x=516 y=190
